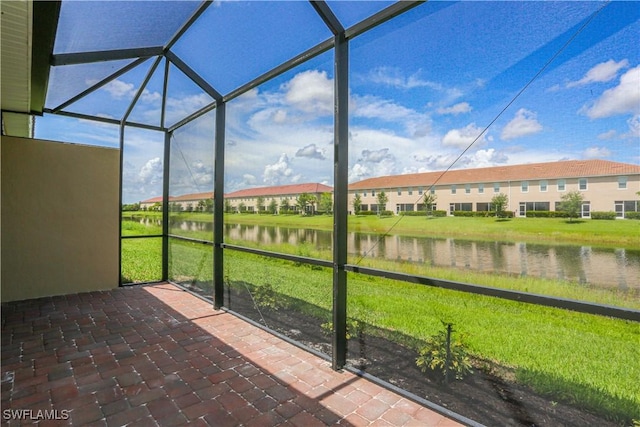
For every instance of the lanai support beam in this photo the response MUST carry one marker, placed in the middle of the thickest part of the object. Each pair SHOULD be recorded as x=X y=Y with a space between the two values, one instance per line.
x=340 y=202
x=218 y=206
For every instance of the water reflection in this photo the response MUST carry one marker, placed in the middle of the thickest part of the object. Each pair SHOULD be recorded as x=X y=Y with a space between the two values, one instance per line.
x=583 y=264
x=613 y=268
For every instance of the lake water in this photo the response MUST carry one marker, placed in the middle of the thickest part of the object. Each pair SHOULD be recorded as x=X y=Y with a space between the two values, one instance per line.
x=610 y=268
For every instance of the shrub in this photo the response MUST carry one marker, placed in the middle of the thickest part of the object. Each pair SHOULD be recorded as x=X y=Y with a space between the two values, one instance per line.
x=386 y=213
x=367 y=213
x=354 y=328
x=442 y=355
x=547 y=214
x=603 y=215
x=632 y=215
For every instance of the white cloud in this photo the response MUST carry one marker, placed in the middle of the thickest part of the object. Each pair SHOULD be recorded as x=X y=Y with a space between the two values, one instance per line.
x=311 y=151
x=392 y=76
x=248 y=179
x=202 y=174
x=373 y=107
x=524 y=123
x=603 y=72
x=276 y=173
x=376 y=156
x=622 y=99
x=310 y=91
x=634 y=127
x=596 y=152
x=462 y=138
x=119 y=89
x=151 y=172
x=462 y=107
x=610 y=134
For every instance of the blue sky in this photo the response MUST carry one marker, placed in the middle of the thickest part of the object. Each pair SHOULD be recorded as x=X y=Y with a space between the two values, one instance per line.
x=423 y=88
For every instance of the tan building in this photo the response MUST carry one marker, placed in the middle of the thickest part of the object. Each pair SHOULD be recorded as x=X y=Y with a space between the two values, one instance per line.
x=605 y=185
x=185 y=202
x=152 y=203
x=283 y=195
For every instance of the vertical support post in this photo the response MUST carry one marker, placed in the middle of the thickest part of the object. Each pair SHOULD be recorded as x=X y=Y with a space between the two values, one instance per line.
x=340 y=202
x=120 y=187
x=218 y=207
x=165 y=205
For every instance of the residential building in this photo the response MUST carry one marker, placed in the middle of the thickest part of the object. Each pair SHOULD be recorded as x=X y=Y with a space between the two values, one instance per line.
x=283 y=195
x=185 y=202
x=605 y=186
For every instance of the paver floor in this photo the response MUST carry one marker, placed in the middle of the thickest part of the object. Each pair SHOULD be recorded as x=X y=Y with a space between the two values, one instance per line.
x=156 y=355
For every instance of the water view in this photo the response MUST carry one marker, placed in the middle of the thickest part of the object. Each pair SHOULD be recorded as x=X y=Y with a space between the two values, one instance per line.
x=604 y=267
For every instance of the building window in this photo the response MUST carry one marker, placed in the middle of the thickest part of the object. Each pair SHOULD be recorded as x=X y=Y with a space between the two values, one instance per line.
x=467 y=189
x=433 y=190
x=373 y=193
x=496 y=187
x=480 y=188
x=410 y=191
x=582 y=184
x=543 y=185
x=524 y=186
x=453 y=189
x=364 y=194
x=399 y=191
x=622 y=183
x=562 y=184
x=420 y=191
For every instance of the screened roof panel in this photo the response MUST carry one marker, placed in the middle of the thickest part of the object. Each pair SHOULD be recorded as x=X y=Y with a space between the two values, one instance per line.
x=113 y=99
x=87 y=26
x=67 y=81
x=183 y=97
x=235 y=42
x=351 y=12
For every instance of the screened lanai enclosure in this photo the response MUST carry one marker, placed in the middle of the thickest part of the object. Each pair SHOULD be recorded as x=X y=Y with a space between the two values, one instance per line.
x=502 y=321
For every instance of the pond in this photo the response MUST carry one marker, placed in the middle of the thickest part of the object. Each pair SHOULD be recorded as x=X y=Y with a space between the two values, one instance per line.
x=603 y=267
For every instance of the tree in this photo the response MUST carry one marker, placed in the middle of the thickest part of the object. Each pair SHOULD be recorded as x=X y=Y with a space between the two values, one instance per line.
x=228 y=207
x=208 y=205
x=429 y=201
x=572 y=204
x=382 y=202
x=499 y=202
x=284 y=205
x=260 y=204
x=242 y=208
x=357 y=204
x=273 y=207
x=326 y=202
x=303 y=201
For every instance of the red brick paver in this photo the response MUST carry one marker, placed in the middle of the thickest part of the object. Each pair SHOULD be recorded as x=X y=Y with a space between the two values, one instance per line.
x=157 y=355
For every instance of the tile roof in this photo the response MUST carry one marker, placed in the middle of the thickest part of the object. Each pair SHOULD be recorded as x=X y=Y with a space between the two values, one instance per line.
x=157 y=199
x=531 y=171
x=280 y=190
x=193 y=196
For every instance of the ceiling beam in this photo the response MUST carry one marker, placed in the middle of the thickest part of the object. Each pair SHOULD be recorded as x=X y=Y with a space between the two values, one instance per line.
x=105 y=55
x=45 y=25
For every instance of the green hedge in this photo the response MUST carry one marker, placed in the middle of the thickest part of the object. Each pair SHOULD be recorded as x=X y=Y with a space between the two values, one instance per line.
x=547 y=214
x=603 y=215
x=484 y=214
x=632 y=215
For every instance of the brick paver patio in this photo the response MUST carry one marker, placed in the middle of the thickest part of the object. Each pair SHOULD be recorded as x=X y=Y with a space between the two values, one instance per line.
x=158 y=356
